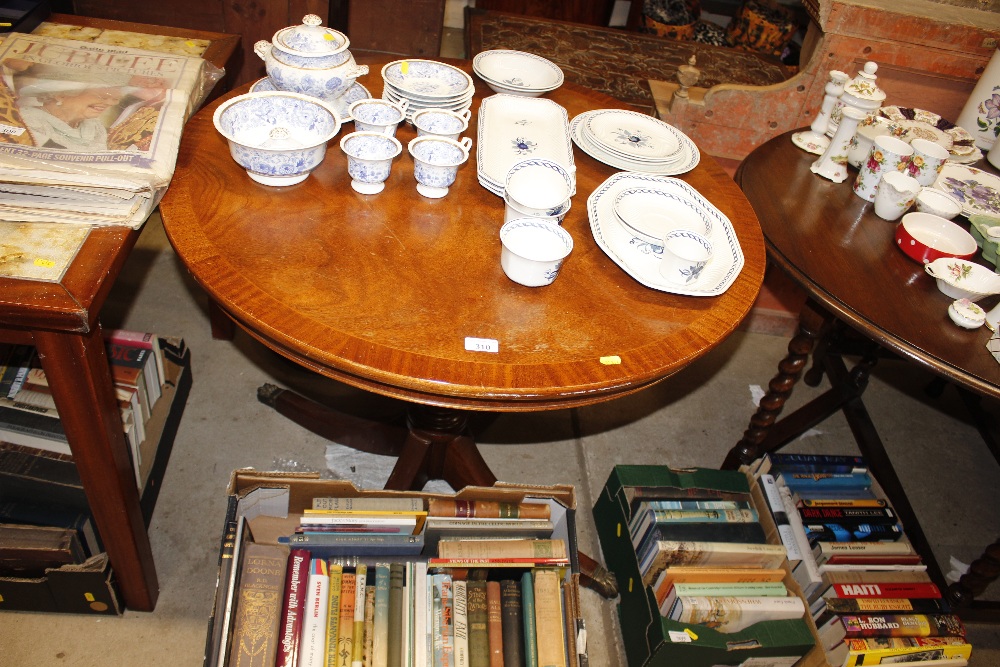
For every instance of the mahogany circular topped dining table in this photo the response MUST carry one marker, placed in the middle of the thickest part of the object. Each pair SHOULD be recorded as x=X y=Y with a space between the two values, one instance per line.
x=382 y=291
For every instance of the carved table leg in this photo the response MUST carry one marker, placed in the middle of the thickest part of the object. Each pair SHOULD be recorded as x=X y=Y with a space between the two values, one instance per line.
x=812 y=323
x=982 y=572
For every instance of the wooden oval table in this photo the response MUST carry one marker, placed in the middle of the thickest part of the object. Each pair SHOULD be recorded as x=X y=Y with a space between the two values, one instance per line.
x=382 y=292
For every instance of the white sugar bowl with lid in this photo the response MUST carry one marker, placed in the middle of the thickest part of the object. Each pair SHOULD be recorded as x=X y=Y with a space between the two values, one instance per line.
x=310 y=59
x=861 y=93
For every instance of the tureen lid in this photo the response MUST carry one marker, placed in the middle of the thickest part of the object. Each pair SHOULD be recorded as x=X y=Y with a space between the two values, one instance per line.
x=863 y=86
x=311 y=38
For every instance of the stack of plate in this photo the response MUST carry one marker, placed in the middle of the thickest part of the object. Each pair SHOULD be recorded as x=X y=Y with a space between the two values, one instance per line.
x=517 y=72
x=634 y=142
x=427 y=84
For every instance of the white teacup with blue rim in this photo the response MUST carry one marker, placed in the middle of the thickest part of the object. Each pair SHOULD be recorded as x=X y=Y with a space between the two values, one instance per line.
x=540 y=185
x=555 y=214
x=369 y=159
x=441 y=122
x=533 y=251
x=375 y=115
x=685 y=255
x=435 y=163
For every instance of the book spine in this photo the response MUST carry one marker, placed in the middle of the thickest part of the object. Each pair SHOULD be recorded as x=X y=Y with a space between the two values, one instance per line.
x=147 y=340
x=369 y=634
x=478 y=613
x=312 y=652
x=887 y=589
x=336 y=573
x=395 y=614
x=805 y=482
x=848 y=515
x=528 y=616
x=345 y=625
x=902 y=625
x=550 y=630
x=877 y=605
x=733 y=614
x=843 y=502
x=502 y=549
x=806 y=573
x=512 y=623
x=863 y=652
x=772 y=496
x=258 y=605
x=486 y=509
x=358 y=642
x=570 y=614
x=444 y=625
x=747 y=533
x=494 y=624
x=822 y=462
x=460 y=595
x=368 y=504
x=291 y=614
x=859 y=532
x=380 y=648
x=691 y=505
x=420 y=608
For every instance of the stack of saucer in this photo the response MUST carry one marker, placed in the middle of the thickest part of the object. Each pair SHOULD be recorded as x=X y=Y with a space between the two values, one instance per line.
x=517 y=72
x=427 y=84
x=634 y=142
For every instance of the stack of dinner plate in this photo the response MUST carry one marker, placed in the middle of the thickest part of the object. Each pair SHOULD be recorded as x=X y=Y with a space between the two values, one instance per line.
x=517 y=72
x=427 y=84
x=634 y=142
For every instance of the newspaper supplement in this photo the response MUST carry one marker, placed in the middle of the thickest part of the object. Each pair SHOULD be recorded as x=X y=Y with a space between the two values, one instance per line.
x=89 y=132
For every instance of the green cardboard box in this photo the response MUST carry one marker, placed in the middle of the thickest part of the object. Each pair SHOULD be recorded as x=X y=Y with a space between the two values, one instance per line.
x=654 y=641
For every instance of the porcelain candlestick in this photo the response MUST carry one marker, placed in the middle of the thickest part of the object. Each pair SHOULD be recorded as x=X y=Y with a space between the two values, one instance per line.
x=814 y=140
x=832 y=165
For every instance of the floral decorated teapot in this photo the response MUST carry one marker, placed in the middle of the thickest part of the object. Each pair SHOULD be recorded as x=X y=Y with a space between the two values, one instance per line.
x=310 y=59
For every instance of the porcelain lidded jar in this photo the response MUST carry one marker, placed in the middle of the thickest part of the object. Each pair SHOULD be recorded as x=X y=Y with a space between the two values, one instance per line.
x=862 y=93
x=310 y=59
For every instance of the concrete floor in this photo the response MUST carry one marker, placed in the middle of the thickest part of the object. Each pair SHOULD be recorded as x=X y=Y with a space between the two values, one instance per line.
x=690 y=420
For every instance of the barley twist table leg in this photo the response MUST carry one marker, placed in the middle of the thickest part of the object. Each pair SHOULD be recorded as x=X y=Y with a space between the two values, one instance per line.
x=982 y=572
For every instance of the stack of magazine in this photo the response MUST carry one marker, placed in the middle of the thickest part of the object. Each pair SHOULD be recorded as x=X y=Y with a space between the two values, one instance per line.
x=89 y=132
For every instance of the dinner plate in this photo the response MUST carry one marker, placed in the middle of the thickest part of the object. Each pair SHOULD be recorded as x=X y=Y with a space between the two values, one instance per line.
x=513 y=128
x=690 y=154
x=427 y=78
x=631 y=135
x=978 y=191
x=639 y=258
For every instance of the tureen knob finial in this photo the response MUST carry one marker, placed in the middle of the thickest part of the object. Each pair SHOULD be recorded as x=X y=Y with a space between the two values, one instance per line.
x=870 y=67
x=311 y=19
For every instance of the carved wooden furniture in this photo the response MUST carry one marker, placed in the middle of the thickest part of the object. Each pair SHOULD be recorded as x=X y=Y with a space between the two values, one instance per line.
x=381 y=292
x=865 y=297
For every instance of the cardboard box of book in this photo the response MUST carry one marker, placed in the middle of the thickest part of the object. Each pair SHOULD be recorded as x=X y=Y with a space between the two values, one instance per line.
x=85 y=588
x=265 y=507
x=652 y=640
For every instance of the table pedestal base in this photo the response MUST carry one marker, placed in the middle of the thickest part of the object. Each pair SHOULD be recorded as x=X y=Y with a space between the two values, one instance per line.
x=827 y=339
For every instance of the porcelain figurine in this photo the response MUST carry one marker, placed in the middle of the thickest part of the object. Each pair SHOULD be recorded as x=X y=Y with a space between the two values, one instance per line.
x=814 y=140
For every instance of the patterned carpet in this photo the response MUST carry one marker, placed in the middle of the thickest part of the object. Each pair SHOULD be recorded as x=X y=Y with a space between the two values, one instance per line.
x=613 y=60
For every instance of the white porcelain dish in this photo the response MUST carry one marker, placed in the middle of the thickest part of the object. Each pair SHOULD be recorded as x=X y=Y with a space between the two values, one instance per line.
x=651 y=213
x=966 y=314
x=517 y=71
x=632 y=135
x=976 y=190
x=512 y=129
x=690 y=155
x=639 y=260
x=962 y=279
x=427 y=78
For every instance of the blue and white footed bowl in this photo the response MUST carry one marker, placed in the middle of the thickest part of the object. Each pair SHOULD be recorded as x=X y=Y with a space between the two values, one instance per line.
x=278 y=137
x=441 y=122
x=377 y=115
x=435 y=163
x=369 y=159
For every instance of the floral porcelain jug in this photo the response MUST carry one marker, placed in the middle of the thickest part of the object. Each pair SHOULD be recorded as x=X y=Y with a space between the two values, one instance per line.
x=310 y=59
x=862 y=93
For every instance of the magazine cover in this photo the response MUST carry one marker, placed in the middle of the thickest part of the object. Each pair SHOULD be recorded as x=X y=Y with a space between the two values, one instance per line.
x=95 y=116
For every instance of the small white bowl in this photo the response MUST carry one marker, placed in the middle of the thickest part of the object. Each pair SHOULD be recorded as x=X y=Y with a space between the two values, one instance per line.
x=533 y=251
x=278 y=137
x=540 y=184
x=966 y=314
x=962 y=279
x=517 y=72
x=648 y=214
x=938 y=203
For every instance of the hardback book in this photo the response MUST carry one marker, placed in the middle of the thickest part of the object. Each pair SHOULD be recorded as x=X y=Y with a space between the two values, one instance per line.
x=732 y=614
x=129 y=374
x=643 y=520
x=829 y=463
x=768 y=589
x=336 y=572
x=854 y=583
x=487 y=509
x=713 y=554
x=772 y=496
x=896 y=650
x=848 y=515
x=663 y=504
x=380 y=647
x=867 y=605
x=494 y=624
x=461 y=616
x=395 y=625
x=843 y=502
x=512 y=623
x=443 y=628
x=345 y=624
x=258 y=605
x=387 y=523
x=806 y=570
x=746 y=533
x=806 y=482
x=443 y=526
x=32 y=426
x=31 y=513
x=858 y=626
x=293 y=599
x=315 y=616
x=360 y=589
x=839 y=497
x=421 y=629
x=502 y=549
x=130 y=355
x=858 y=532
x=368 y=654
x=873 y=567
x=27 y=550
x=143 y=339
x=659 y=482
x=528 y=616
x=367 y=544
x=478 y=623
x=367 y=505
x=716 y=576
x=856 y=552
x=550 y=629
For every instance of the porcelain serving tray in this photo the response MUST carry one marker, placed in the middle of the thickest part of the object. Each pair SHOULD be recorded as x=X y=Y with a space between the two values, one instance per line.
x=978 y=191
x=513 y=128
x=640 y=260
x=691 y=156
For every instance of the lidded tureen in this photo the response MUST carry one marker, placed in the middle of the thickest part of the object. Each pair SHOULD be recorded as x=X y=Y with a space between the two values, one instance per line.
x=861 y=92
x=310 y=59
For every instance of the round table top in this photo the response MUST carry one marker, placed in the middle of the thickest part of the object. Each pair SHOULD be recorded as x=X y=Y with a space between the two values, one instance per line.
x=833 y=244
x=382 y=291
